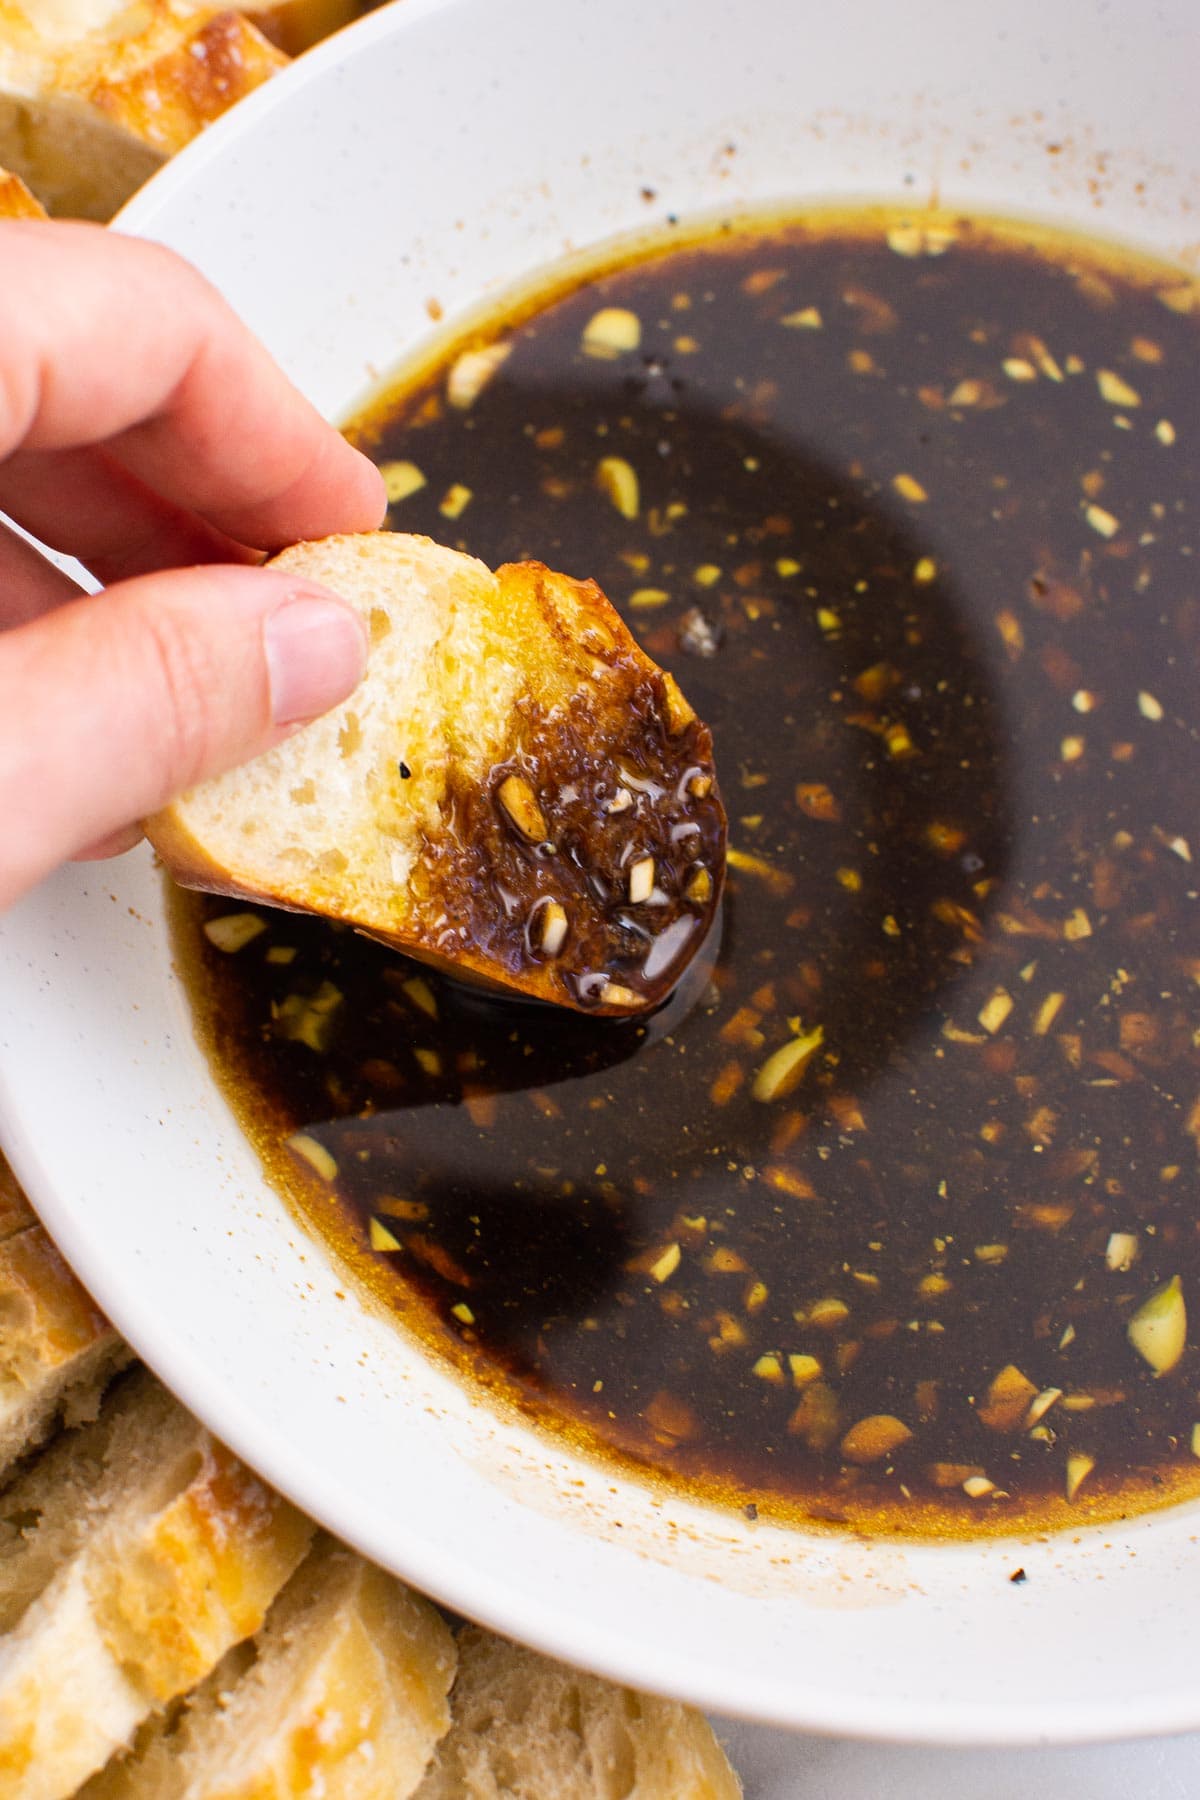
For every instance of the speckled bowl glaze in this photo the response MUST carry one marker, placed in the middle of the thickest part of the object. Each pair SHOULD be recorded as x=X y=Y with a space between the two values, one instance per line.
x=438 y=151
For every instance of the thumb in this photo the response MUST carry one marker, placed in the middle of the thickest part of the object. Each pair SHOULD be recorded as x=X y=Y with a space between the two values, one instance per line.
x=112 y=705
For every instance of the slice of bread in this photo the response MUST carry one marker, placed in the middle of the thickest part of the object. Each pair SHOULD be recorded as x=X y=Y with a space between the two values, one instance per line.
x=133 y=1555
x=57 y=1350
x=527 y=1728
x=343 y=1697
x=515 y=792
x=96 y=94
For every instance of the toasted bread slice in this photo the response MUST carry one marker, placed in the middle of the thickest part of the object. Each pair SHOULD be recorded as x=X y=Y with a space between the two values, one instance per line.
x=57 y=1350
x=526 y=1728
x=96 y=94
x=515 y=793
x=343 y=1695
x=133 y=1555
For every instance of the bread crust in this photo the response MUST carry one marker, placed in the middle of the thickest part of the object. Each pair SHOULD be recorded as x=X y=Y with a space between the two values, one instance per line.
x=16 y=201
x=94 y=98
x=164 y=1551
x=527 y=1727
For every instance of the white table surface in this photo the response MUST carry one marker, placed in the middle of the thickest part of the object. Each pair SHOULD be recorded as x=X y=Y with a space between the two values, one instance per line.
x=775 y=1765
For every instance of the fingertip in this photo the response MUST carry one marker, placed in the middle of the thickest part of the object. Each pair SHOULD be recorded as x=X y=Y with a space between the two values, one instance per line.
x=375 y=500
x=316 y=649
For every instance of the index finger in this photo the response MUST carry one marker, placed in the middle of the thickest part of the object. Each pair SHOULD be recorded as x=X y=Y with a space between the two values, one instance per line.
x=109 y=340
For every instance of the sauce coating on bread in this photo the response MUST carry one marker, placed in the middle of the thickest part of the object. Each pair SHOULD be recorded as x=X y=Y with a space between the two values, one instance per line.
x=588 y=866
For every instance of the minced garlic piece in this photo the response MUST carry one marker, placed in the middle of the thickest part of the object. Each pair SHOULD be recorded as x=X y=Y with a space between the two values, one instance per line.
x=1079 y=1467
x=1120 y=1252
x=665 y=1265
x=455 y=500
x=400 y=479
x=314 y=1154
x=1158 y=1329
x=1101 y=521
x=803 y=1369
x=611 y=332
x=995 y=1010
x=233 y=931
x=872 y=1438
x=784 y=1070
x=617 y=478
x=472 y=372
x=1115 y=390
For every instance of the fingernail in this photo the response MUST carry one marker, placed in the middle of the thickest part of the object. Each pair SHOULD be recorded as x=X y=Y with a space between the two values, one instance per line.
x=316 y=650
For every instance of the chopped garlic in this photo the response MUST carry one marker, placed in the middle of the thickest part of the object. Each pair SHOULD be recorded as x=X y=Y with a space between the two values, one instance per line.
x=1121 y=1251
x=1079 y=1467
x=400 y=480
x=611 y=332
x=617 y=478
x=233 y=931
x=472 y=372
x=784 y=1070
x=1158 y=1329
x=314 y=1154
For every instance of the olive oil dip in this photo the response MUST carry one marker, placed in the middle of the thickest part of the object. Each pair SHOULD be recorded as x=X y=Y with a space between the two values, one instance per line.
x=889 y=1217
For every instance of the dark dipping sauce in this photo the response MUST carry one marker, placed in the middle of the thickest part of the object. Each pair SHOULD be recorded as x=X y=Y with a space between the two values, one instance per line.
x=889 y=1218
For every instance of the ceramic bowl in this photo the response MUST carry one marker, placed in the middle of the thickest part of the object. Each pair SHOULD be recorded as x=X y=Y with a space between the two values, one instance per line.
x=439 y=151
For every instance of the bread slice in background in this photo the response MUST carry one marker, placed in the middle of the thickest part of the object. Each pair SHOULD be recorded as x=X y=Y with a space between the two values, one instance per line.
x=134 y=1553
x=342 y=1695
x=511 y=751
x=527 y=1728
x=57 y=1350
x=96 y=94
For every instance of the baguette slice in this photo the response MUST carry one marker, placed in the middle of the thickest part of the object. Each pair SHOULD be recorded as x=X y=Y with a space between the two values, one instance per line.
x=343 y=1696
x=133 y=1555
x=96 y=94
x=515 y=793
x=526 y=1728
x=57 y=1350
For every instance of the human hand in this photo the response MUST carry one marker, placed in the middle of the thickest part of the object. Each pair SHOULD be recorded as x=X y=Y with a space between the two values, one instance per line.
x=144 y=431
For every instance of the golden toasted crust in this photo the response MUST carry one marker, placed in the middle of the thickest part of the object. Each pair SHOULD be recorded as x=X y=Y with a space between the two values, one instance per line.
x=165 y=100
x=16 y=201
x=94 y=97
x=201 y=1576
x=154 y=1553
x=343 y=1695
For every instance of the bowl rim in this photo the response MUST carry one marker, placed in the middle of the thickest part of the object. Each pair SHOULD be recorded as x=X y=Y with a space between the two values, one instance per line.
x=909 y=1718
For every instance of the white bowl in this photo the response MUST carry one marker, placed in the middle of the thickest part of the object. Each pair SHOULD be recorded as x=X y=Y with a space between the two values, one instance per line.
x=439 y=150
